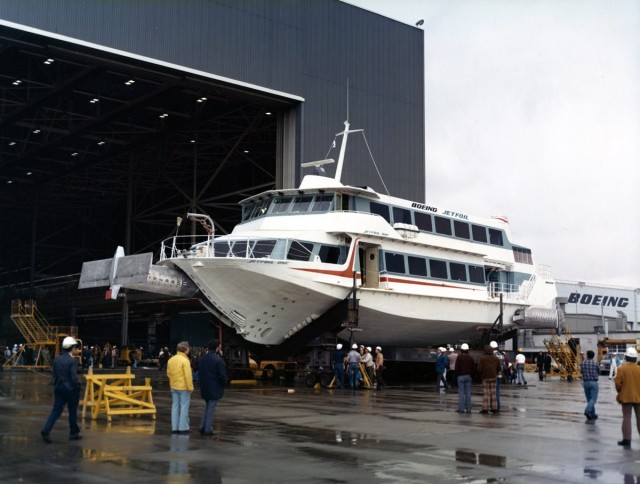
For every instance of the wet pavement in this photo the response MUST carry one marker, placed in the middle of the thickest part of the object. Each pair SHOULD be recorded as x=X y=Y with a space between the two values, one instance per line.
x=267 y=434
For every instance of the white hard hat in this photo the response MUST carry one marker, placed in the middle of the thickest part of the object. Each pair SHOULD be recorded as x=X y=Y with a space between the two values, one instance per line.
x=378 y=348
x=339 y=346
x=451 y=349
x=354 y=346
x=631 y=352
x=442 y=349
x=493 y=344
x=68 y=342
x=464 y=346
x=369 y=349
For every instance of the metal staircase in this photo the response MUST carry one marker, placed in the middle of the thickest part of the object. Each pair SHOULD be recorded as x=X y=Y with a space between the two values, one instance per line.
x=566 y=354
x=39 y=336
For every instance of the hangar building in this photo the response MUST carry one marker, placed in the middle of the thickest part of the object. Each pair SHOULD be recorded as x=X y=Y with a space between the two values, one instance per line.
x=117 y=117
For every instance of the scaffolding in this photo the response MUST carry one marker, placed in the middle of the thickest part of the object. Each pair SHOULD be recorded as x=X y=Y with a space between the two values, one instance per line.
x=38 y=334
x=566 y=354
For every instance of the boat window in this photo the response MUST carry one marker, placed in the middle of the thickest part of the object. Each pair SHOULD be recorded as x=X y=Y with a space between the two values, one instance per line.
x=401 y=215
x=263 y=248
x=394 y=262
x=522 y=255
x=461 y=229
x=476 y=274
x=495 y=237
x=300 y=251
x=423 y=221
x=322 y=203
x=302 y=203
x=280 y=204
x=331 y=254
x=380 y=209
x=438 y=269
x=443 y=225
x=479 y=233
x=239 y=248
x=221 y=249
x=458 y=271
x=417 y=266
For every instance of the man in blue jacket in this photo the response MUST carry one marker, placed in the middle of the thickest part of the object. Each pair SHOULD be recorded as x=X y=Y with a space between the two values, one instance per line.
x=213 y=379
x=442 y=363
x=66 y=390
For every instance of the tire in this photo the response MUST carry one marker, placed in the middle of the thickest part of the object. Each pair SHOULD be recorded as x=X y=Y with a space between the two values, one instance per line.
x=310 y=380
x=269 y=373
x=325 y=380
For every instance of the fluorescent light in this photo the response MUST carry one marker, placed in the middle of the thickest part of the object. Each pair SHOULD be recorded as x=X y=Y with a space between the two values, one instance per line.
x=49 y=61
x=36 y=131
x=29 y=173
x=12 y=143
x=100 y=143
x=17 y=82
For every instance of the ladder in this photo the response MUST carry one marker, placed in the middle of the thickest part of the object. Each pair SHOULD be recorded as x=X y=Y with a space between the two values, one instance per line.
x=565 y=354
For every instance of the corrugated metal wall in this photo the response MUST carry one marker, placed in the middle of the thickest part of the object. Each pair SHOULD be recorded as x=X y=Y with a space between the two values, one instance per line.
x=304 y=47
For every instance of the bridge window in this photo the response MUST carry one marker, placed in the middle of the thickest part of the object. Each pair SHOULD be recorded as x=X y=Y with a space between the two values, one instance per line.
x=461 y=229
x=438 y=269
x=281 y=204
x=423 y=221
x=479 y=233
x=302 y=203
x=333 y=254
x=401 y=215
x=239 y=248
x=523 y=255
x=458 y=271
x=322 y=203
x=443 y=225
x=495 y=237
x=221 y=249
x=380 y=209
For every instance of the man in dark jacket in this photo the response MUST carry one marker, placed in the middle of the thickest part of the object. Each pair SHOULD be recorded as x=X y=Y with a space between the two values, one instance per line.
x=213 y=379
x=66 y=390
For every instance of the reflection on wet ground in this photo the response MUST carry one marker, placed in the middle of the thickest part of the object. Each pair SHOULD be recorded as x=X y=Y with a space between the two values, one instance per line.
x=267 y=434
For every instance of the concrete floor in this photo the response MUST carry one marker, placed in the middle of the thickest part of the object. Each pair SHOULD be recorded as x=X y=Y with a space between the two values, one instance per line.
x=267 y=434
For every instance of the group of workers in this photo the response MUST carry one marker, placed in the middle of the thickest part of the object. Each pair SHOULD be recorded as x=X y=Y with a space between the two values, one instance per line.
x=349 y=365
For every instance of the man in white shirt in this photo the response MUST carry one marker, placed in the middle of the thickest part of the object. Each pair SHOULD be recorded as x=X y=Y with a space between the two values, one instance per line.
x=520 y=360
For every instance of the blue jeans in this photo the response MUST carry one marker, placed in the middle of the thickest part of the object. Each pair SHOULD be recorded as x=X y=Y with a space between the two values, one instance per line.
x=180 y=400
x=339 y=375
x=591 y=394
x=464 y=393
x=520 y=374
x=63 y=396
x=354 y=373
x=206 y=426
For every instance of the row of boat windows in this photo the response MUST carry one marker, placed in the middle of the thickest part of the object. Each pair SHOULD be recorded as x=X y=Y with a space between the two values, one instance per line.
x=425 y=222
x=282 y=249
x=404 y=264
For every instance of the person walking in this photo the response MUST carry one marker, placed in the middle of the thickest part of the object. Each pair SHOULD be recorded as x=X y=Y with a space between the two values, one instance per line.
x=499 y=378
x=379 y=368
x=213 y=379
x=613 y=366
x=520 y=362
x=353 y=360
x=488 y=368
x=181 y=383
x=66 y=390
x=590 y=372
x=338 y=366
x=442 y=363
x=628 y=387
x=464 y=370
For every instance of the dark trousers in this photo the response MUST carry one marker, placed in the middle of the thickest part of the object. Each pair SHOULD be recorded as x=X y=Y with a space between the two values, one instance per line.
x=63 y=396
x=379 y=381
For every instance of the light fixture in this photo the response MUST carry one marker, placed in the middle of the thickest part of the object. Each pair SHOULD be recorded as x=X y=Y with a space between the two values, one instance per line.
x=94 y=100
x=100 y=143
x=201 y=100
x=12 y=143
x=163 y=115
x=75 y=153
x=17 y=82
x=246 y=151
x=36 y=131
x=193 y=141
x=49 y=61
x=268 y=113
x=130 y=82
x=9 y=181
x=29 y=173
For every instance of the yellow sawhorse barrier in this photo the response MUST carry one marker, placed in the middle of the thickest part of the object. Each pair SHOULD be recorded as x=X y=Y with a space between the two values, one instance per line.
x=113 y=394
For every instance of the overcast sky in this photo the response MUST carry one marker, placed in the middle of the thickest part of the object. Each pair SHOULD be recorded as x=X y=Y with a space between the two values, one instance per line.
x=533 y=111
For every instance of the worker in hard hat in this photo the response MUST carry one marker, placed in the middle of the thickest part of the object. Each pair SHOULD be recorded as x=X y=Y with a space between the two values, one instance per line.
x=520 y=362
x=628 y=388
x=353 y=360
x=338 y=366
x=464 y=369
x=66 y=390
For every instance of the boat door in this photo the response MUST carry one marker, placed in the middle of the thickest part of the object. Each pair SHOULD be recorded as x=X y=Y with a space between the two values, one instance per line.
x=370 y=265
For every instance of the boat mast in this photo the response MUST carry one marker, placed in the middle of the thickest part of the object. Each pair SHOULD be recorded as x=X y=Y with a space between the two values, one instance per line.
x=343 y=148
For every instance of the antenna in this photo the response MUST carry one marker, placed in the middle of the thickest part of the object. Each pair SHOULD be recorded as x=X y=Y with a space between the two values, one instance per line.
x=347 y=99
